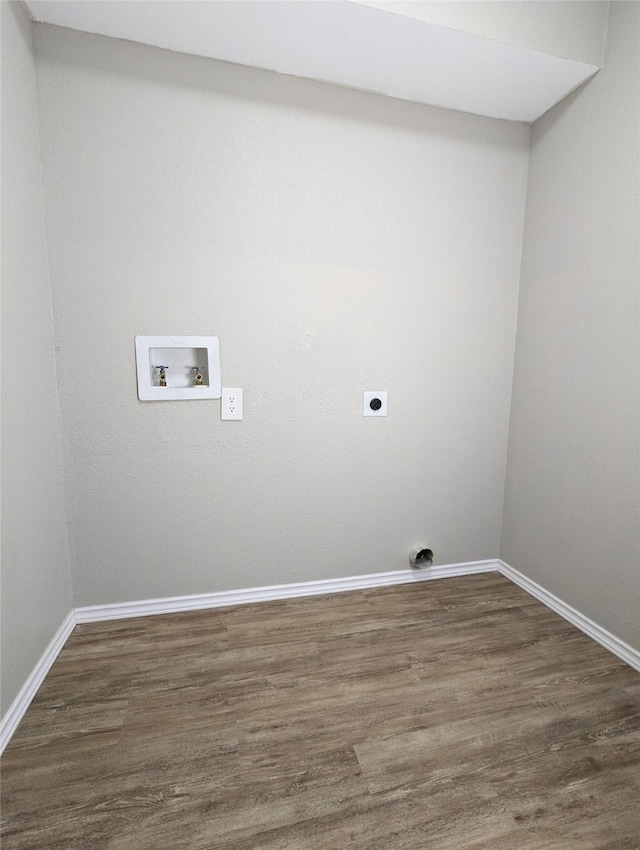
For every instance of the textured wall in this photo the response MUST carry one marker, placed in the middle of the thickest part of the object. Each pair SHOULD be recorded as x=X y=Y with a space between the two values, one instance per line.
x=335 y=242
x=571 y=507
x=36 y=595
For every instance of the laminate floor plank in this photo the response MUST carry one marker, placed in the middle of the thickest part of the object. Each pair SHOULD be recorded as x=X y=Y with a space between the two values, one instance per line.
x=448 y=715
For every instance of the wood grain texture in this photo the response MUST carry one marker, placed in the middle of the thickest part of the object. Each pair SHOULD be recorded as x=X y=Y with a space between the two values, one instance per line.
x=450 y=715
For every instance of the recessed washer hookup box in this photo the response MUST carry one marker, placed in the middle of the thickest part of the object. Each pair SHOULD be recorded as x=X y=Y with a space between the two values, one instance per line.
x=175 y=368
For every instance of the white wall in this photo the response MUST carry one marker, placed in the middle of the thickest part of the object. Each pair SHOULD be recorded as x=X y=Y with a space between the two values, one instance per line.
x=335 y=241
x=36 y=595
x=571 y=511
x=572 y=30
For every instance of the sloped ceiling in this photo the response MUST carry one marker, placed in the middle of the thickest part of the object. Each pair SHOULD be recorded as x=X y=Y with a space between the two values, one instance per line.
x=338 y=41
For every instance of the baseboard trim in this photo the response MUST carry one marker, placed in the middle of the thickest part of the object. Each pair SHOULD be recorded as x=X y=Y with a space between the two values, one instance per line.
x=609 y=641
x=21 y=703
x=175 y=604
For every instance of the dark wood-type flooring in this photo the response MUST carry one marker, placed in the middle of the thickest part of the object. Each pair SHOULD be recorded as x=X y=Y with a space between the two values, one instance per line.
x=451 y=714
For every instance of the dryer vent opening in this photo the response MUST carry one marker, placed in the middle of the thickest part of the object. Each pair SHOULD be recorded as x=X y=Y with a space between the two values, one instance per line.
x=421 y=557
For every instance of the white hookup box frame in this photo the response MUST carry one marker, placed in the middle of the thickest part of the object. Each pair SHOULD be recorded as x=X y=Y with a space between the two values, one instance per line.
x=182 y=356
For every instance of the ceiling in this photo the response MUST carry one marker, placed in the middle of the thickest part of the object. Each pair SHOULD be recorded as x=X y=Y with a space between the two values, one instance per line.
x=340 y=42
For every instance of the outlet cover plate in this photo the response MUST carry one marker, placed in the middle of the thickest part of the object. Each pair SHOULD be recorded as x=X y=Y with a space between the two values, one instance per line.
x=371 y=396
x=231 y=403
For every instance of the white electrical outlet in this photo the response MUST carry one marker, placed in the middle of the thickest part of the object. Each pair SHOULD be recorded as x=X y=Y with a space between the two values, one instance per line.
x=231 y=403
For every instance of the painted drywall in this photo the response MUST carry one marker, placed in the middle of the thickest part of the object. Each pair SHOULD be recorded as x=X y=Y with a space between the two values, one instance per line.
x=571 y=507
x=572 y=30
x=36 y=592
x=335 y=241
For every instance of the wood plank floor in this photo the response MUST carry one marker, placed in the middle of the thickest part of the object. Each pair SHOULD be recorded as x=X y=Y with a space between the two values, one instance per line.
x=445 y=715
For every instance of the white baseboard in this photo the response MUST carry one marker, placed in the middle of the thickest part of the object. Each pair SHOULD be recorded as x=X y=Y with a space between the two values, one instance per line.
x=618 y=647
x=21 y=703
x=175 y=604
